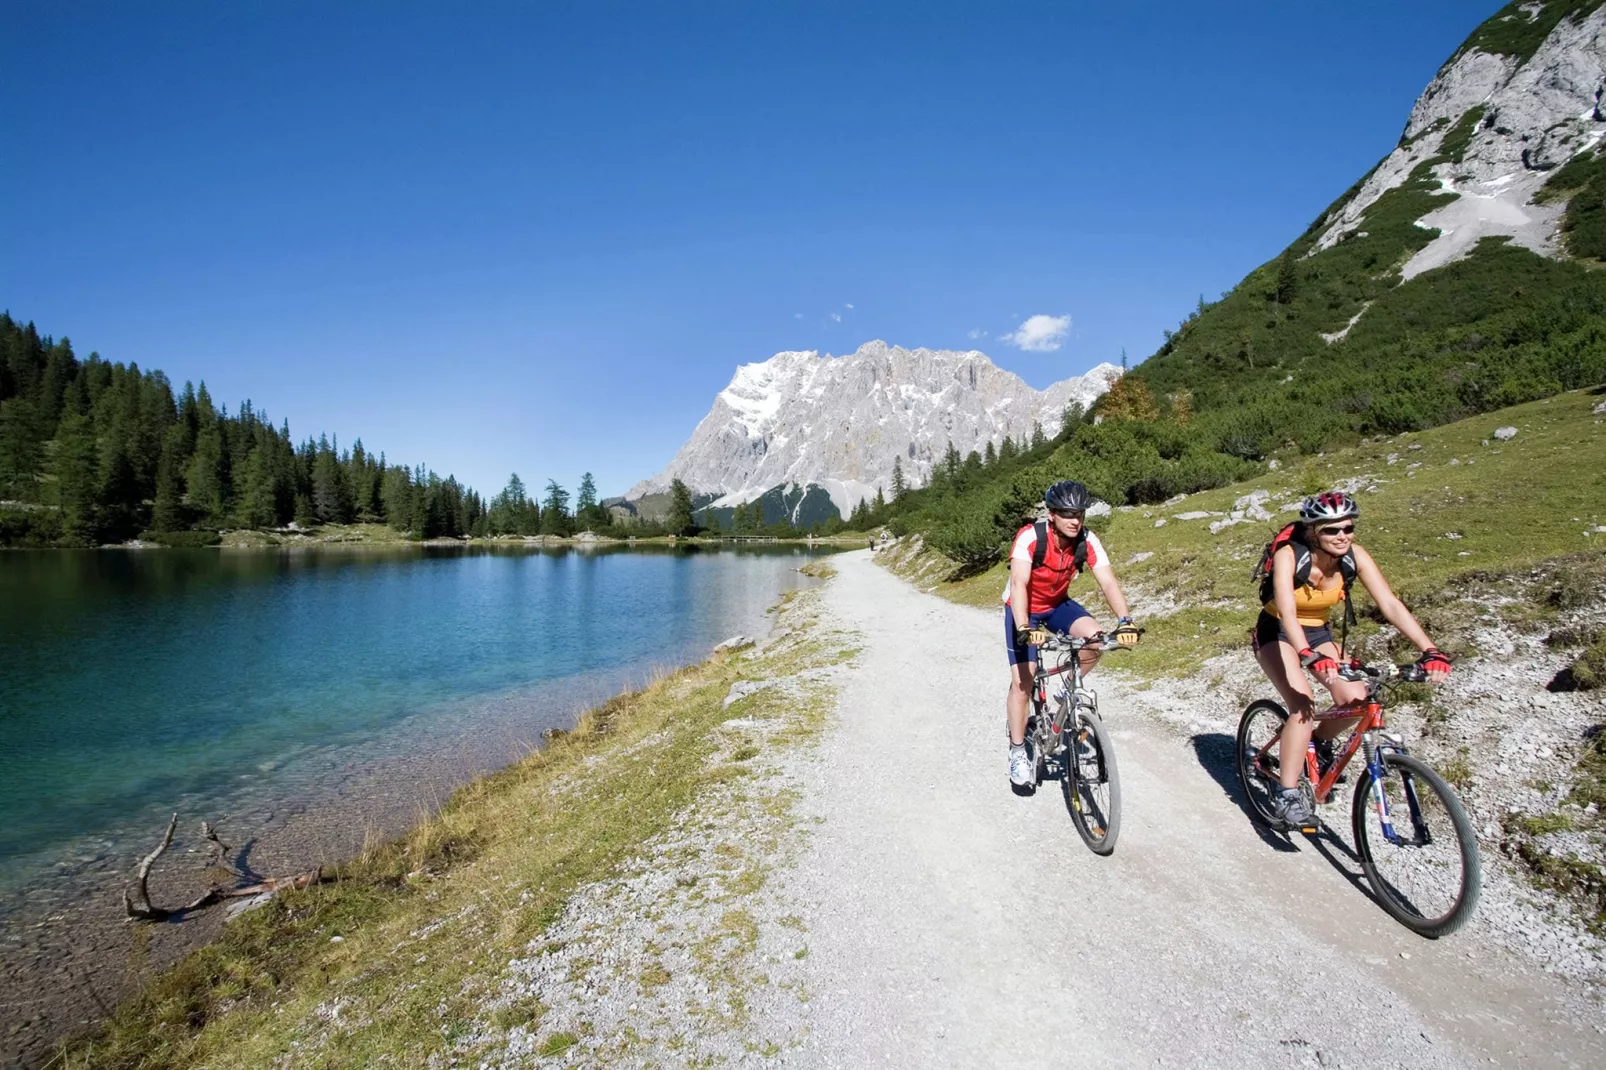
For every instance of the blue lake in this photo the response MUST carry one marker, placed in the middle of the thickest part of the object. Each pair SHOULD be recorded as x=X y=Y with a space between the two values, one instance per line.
x=239 y=684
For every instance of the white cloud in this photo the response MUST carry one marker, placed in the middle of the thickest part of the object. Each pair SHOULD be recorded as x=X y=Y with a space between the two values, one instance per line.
x=975 y=334
x=848 y=305
x=797 y=315
x=1039 y=334
x=837 y=316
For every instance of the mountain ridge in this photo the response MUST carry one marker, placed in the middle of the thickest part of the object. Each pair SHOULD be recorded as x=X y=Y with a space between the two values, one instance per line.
x=839 y=422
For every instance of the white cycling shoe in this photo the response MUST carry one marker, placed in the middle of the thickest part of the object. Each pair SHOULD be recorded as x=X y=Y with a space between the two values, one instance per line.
x=1021 y=772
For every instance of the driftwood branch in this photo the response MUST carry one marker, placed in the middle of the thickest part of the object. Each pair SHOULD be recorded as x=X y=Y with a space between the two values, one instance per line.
x=138 y=905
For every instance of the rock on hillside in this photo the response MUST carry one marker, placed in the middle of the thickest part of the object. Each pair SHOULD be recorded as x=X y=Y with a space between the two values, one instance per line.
x=841 y=422
x=1512 y=105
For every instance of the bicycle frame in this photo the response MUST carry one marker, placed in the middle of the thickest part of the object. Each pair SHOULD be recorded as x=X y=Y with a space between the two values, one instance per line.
x=1368 y=735
x=1070 y=661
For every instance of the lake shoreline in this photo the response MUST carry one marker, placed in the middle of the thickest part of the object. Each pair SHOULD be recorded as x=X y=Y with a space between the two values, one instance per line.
x=381 y=875
x=69 y=954
x=382 y=536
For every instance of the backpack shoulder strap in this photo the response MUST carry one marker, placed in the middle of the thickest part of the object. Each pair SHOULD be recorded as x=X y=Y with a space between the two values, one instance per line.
x=1348 y=569
x=1079 y=555
x=1040 y=550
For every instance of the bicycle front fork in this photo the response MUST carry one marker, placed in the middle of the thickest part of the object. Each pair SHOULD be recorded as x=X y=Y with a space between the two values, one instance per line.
x=1376 y=745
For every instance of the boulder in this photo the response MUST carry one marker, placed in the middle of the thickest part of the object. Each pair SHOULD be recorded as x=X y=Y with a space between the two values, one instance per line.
x=1505 y=434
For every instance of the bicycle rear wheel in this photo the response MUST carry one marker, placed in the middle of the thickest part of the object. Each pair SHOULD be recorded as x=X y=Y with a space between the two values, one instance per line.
x=1092 y=782
x=1260 y=725
x=1430 y=879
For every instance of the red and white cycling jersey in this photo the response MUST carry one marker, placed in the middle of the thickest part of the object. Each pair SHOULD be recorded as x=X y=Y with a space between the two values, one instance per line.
x=1048 y=584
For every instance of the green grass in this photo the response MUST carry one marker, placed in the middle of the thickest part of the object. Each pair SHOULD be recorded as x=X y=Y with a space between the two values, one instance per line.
x=1515 y=506
x=429 y=921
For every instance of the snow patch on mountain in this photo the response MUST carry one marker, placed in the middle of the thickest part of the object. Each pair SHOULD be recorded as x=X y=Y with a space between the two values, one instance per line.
x=842 y=421
x=1536 y=115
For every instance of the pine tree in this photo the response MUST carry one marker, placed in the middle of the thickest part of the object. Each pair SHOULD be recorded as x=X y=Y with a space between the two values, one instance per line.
x=331 y=500
x=679 y=520
x=587 y=513
x=951 y=463
x=258 y=506
x=75 y=469
x=203 y=479
x=1008 y=451
x=898 y=484
x=1287 y=278
x=168 y=512
x=20 y=451
x=555 y=510
x=989 y=456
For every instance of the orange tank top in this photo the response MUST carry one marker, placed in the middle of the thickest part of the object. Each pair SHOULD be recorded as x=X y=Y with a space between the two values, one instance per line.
x=1312 y=605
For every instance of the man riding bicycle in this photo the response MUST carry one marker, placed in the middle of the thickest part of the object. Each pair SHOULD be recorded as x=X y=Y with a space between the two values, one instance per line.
x=1043 y=560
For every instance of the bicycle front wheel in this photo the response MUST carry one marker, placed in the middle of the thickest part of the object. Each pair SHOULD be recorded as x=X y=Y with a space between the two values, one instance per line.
x=1428 y=875
x=1092 y=782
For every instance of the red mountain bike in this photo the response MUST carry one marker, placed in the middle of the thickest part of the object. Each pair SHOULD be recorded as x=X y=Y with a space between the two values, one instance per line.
x=1415 y=843
x=1066 y=733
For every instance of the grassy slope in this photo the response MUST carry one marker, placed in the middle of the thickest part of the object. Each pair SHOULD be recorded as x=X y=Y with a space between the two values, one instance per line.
x=1515 y=504
x=1531 y=516
x=426 y=923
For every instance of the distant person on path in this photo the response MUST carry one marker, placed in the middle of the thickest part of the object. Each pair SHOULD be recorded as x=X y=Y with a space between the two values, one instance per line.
x=1312 y=566
x=1043 y=561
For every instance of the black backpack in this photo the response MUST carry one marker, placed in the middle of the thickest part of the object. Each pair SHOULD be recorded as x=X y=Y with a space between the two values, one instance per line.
x=1078 y=550
x=1294 y=535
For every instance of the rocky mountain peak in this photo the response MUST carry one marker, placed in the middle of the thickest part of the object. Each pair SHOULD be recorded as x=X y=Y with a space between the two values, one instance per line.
x=842 y=421
x=1510 y=106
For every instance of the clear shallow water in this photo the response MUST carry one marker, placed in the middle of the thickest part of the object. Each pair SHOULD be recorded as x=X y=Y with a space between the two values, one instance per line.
x=134 y=684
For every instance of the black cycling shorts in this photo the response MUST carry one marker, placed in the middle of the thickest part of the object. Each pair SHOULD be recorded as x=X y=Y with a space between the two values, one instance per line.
x=1268 y=629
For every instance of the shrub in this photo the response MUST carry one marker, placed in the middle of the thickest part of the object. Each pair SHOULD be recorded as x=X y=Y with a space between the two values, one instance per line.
x=1589 y=671
x=970 y=540
x=33 y=527
x=184 y=540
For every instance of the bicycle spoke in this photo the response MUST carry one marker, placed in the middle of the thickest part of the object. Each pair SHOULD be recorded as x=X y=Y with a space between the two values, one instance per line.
x=1426 y=874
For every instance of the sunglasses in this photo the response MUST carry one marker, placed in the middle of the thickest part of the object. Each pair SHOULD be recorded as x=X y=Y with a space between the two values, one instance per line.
x=1068 y=516
x=1347 y=529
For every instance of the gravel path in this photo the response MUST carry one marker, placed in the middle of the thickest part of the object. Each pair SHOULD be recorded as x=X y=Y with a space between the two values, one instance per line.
x=951 y=922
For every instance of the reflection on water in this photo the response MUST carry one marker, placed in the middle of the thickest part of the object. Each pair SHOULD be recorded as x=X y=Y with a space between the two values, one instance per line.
x=133 y=684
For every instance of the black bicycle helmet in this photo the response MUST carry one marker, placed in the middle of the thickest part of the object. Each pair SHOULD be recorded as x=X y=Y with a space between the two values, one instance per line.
x=1329 y=505
x=1067 y=496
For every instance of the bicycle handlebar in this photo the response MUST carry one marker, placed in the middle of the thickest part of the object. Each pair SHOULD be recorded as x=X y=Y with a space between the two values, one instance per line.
x=1409 y=673
x=1043 y=639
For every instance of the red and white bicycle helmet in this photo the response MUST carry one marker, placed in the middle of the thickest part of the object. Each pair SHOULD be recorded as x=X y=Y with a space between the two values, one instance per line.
x=1329 y=505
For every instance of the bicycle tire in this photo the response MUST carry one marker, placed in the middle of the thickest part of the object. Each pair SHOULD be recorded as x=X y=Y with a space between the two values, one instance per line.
x=1256 y=784
x=1440 y=806
x=1092 y=783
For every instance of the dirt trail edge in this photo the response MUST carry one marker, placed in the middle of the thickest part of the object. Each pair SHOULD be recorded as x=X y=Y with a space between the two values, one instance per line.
x=951 y=922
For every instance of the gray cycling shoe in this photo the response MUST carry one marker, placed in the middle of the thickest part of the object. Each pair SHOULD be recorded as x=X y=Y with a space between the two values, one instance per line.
x=1021 y=772
x=1288 y=805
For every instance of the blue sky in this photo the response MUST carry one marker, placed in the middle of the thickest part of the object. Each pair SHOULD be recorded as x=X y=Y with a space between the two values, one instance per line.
x=539 y=238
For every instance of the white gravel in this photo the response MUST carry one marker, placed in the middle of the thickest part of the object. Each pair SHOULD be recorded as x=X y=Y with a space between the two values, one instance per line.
x=914 y=911
x=953 y=923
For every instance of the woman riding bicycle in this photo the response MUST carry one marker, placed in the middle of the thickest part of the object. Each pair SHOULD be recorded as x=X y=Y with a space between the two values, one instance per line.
x=1043 y=561
x=1310 y=575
